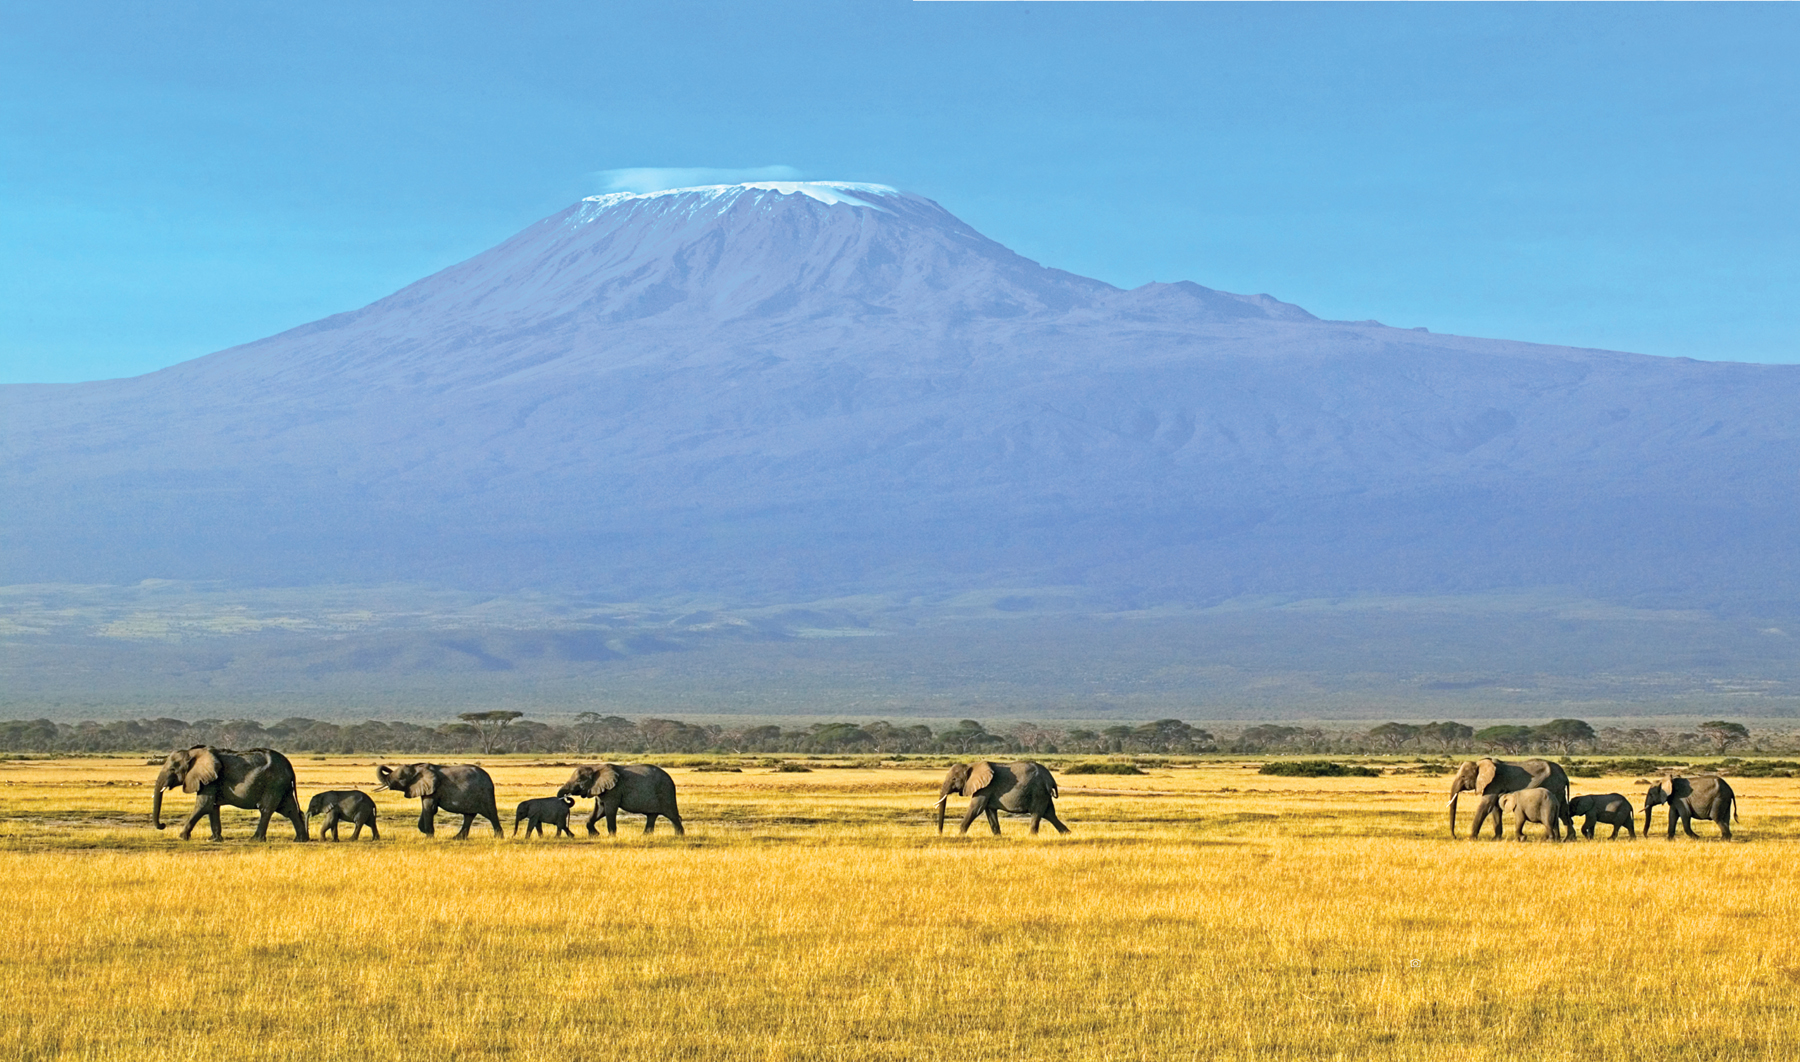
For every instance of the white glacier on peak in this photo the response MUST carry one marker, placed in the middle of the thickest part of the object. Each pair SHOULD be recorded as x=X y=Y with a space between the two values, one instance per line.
x=831 y=193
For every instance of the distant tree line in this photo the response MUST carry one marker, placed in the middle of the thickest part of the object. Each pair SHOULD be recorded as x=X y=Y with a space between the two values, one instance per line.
x=481 y=733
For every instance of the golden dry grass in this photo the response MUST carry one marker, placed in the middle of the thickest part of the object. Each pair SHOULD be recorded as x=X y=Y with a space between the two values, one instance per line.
x=1199 y=912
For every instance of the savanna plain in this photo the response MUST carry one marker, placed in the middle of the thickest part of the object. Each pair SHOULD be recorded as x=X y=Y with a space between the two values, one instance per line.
x=1200 y=910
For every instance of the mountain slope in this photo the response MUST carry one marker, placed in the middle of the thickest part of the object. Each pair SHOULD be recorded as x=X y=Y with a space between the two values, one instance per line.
x=765 y=392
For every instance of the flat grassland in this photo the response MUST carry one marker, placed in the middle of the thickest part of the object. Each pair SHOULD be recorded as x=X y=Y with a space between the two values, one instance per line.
x=1200 y=911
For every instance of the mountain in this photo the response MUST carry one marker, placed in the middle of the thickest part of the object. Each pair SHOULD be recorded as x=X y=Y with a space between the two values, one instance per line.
x=793 y=392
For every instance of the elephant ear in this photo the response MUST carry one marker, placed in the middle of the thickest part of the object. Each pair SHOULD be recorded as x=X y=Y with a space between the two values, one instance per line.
x=425 y=784
x=1484 y=775
x=203 y=767
x=608 y=778
x=981 y=775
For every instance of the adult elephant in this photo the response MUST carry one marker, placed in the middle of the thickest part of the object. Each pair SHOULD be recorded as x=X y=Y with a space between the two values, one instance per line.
x=459 y=788
x=634 y=788
x=1708 y=796
x=1489 y=778
x=260 y=779
x=1022 y=788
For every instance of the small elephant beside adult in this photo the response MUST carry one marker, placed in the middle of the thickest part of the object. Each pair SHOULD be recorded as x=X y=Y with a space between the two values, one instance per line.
x=634 y=788
x=458 y=788
x=1022 y=788
x=1490 y=779
x=1708 y=797
x=1541 y=806
x=535 y=813
x=344 y=805
x=1611 y=809
x=259 y=779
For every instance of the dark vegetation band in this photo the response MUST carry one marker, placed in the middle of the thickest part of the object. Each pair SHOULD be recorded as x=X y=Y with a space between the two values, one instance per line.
x=508 y=731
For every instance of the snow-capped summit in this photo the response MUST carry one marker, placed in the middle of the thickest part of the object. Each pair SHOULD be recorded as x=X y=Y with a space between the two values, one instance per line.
x=834 y=193
x=715 y=269
x=784 y=388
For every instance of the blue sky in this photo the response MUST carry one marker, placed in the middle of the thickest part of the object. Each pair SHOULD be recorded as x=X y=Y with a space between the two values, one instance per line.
x=176 y=178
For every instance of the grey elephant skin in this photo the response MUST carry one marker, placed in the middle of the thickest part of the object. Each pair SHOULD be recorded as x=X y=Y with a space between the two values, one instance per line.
x=1490 y=779
x=1705 y=797
x=344 y=805
x=1541 y=806
x=259 y=779
x=1611 y=809
x=1022 y=788
x=634 y=788
x=535 y=813
x=458 y=788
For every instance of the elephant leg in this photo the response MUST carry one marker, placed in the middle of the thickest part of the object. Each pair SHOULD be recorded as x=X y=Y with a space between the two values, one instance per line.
x=493 y=818
x=212 y=819
x=468 y=821
x=290 y=809
x=193 y=819
x=975 y=807
x=1050 y=814
x=562 y=827
x=1724 y=822
x=1587 y=828
x=1036 y=817
x=374 y=829
x=593 y=818
x=650 y=822
x=263 y=815
x=330 y=825
x=1489 y=805
x=675 y=821
x=428 y=817
x=1556 y=833
x=993 y=817
x=612 y=822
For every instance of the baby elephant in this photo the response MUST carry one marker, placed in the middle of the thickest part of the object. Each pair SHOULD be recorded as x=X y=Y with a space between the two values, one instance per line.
x=1611 y=808
x=534 y=813
x=1535 y=805
x=344 y=805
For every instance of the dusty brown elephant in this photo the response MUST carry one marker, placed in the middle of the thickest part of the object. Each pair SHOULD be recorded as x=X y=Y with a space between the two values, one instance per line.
x=1022 y=788
x=259 y=779
x=1489 y=778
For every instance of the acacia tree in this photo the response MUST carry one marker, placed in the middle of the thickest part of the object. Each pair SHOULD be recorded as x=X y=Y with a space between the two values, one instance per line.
x=1723 y=733
x=489 y=725
x=1564 y=733
x=1506 y=738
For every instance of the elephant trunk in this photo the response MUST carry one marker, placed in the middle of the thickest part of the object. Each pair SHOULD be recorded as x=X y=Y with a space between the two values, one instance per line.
x=1453 y=797
x=1649 y=809
x=940 y=808
x=156 y=806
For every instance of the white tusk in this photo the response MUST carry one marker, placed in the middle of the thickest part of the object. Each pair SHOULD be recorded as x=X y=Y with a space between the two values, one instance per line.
x=1452 y=801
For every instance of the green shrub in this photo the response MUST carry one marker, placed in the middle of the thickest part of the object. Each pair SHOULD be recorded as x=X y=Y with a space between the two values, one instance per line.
x=792 y=768
x=1102 y=768
x=1767 y=769
x=1318 y=769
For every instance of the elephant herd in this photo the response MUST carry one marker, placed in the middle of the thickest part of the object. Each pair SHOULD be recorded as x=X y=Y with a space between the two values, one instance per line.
x=1537 y=792
x=263 y=780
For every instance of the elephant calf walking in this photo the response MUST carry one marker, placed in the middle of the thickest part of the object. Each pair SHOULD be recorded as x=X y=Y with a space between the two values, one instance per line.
x=1535 y=805
x=534 y=813
x=344 y=805
x=1611 y=809
x=1022 y=788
